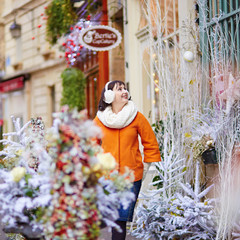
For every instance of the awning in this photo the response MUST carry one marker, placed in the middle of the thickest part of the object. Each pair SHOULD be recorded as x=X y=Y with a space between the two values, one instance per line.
x=13 y=84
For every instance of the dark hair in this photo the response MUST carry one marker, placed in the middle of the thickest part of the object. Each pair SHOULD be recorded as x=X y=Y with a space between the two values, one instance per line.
x=102 y=105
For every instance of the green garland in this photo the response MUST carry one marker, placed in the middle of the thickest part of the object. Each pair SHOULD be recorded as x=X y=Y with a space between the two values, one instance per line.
x=74 y=83
x=60 y=16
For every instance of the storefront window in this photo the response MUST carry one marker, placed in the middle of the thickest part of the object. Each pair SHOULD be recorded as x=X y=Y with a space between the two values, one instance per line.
x=167 y=47
x=159 y=38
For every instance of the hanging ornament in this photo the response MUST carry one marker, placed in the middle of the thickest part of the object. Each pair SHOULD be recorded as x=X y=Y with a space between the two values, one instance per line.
x=72 y=45
x=231 y=92
x=88 y=17
x=188 y=56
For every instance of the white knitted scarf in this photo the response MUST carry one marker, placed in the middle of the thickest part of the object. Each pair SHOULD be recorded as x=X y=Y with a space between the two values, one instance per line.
x=119 y=120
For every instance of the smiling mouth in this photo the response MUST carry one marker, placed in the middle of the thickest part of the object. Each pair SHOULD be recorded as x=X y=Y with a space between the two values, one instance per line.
x=125 y=96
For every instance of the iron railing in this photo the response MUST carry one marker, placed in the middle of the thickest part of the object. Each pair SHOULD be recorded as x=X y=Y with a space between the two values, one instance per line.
x=219 y=31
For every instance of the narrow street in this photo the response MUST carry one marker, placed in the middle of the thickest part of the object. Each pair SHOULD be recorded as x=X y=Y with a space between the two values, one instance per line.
x=105 y=235
x=2 y=234
x=115 y=110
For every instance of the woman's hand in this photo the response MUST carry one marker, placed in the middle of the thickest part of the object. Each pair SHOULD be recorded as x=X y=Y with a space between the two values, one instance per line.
x=145 y=170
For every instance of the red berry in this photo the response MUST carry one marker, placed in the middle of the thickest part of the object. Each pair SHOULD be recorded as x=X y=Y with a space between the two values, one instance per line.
x=33 y=38
x=39 y=25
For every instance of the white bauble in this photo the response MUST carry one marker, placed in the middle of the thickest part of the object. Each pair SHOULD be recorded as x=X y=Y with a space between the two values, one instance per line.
x=188 y=56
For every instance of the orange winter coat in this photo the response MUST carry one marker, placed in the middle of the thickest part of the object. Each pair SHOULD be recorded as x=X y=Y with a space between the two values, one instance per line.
x=124 y=146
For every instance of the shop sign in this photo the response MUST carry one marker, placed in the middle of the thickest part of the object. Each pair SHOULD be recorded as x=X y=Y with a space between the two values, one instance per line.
x=100 y=38
x=12 y=85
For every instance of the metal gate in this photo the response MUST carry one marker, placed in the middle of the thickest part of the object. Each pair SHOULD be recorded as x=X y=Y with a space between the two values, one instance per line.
x=219 y=31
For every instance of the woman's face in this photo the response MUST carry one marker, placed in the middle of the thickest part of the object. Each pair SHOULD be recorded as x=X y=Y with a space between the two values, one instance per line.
x=121 y=94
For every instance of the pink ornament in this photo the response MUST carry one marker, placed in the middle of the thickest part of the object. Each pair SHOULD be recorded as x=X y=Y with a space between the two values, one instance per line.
x=231 y=93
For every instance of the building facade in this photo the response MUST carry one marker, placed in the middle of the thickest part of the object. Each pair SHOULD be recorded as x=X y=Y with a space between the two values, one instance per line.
x=137 y=48
x=31 y=85
x=2 y=63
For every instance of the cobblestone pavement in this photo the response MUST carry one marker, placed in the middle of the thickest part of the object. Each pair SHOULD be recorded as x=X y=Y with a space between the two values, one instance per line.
x=105 y=235
x=2 y=235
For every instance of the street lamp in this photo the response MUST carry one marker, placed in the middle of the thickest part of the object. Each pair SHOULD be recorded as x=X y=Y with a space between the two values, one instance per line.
x=15 y=30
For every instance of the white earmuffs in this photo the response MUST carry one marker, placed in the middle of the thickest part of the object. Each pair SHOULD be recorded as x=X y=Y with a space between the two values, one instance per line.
x=109 y=95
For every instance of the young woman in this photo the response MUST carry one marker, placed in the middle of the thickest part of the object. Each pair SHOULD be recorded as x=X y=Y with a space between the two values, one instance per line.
x=121 y=125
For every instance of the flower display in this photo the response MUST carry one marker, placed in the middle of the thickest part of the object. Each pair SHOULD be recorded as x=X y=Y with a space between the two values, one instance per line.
x=107 y=161
x=180 y=217
x=60 y=184
x=24 y=184
x=203 y=133
x=81 y=195
x=18 y=173
x=200 y=146
x=26 y=137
